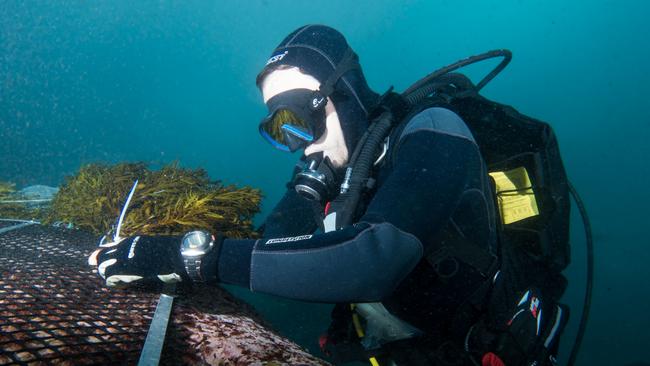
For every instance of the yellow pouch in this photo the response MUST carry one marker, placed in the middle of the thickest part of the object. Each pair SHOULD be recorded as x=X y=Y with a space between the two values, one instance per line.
x=515 y=195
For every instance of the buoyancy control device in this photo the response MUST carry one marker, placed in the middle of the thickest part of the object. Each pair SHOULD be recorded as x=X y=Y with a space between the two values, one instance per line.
x=522 y=155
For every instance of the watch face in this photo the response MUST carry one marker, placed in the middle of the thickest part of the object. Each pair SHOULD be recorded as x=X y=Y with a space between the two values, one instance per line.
x=196 y=243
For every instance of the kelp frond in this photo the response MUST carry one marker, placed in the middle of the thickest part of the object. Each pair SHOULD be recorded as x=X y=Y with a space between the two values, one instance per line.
x=169 y=201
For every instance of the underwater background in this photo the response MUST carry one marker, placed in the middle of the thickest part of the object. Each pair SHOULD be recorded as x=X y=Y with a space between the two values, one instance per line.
x=153 y=81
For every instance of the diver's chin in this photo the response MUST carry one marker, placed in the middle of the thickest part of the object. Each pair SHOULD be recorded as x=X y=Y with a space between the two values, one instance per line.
x=338 y=157
x=337 y=163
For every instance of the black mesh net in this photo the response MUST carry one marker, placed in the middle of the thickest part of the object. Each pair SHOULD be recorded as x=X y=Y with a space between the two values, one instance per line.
x=54 y=309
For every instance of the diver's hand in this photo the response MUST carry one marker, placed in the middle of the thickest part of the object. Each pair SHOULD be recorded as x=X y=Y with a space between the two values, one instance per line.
x=139 y=259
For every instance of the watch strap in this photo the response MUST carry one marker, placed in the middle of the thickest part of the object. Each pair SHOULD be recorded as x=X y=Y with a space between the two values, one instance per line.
x=193 y=268
x=209 y=262
x=204 y=268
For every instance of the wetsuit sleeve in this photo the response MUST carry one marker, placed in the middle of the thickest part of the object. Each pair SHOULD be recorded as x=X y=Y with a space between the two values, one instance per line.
x=293 y=215
x=366 y=261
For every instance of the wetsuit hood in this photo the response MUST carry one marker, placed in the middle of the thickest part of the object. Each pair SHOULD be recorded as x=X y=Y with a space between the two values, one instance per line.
x=317 y=50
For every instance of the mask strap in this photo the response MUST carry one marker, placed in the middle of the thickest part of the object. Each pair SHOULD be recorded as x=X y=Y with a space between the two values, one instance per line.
x=348 y=62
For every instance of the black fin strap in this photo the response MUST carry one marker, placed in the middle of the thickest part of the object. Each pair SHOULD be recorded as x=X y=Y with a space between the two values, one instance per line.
x=348 y=62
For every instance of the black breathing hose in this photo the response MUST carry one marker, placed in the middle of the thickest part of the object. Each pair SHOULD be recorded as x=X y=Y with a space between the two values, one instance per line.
x=590 y=276
x=361 y=143
x=362 y=164
x=425 y=86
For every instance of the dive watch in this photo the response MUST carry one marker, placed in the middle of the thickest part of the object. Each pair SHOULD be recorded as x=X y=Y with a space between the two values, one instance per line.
x=194 y=246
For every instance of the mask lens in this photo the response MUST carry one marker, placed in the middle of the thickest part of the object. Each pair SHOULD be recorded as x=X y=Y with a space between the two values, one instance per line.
x=286 y=130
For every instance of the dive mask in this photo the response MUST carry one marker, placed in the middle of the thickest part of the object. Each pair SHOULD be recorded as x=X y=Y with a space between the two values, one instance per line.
x=296 y=119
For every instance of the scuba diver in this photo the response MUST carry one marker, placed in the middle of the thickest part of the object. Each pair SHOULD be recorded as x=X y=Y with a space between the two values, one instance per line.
x=403 y=210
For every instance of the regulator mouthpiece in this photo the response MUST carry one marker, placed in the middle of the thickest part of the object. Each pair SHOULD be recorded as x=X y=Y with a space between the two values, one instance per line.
x=316 y=182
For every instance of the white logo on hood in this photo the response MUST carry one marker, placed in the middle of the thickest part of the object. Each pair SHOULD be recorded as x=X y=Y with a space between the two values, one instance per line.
x=276 y=58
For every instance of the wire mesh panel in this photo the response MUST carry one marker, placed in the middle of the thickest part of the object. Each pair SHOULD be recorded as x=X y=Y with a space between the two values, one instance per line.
x=54 y=309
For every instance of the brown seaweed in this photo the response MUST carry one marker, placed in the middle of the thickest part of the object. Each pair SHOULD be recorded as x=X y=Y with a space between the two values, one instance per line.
x=168 y=201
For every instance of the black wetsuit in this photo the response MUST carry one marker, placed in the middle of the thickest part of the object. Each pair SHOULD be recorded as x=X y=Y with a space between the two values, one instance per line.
x=433 y=180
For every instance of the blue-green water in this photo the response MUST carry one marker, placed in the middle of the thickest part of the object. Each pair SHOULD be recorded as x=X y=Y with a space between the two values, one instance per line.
x=163 y=81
